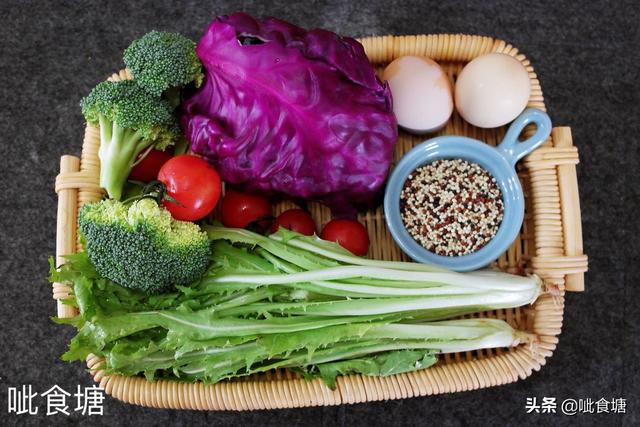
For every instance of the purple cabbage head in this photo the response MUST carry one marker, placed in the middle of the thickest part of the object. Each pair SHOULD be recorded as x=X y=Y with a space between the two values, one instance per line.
x=285 y=111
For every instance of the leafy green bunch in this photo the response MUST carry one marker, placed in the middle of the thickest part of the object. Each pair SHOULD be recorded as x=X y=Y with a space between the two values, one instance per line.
x=289 y=301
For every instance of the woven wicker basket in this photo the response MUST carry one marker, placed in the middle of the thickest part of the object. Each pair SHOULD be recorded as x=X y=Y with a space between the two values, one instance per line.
x=550 y=244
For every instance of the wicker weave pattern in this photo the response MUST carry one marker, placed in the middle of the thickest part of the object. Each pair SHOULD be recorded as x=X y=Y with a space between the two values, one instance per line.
x=550 y=244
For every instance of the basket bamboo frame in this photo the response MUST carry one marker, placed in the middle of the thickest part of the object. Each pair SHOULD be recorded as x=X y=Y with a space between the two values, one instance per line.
x=550 y=244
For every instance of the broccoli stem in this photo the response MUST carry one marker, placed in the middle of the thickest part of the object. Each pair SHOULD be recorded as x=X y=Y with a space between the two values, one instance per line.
x=119 y=148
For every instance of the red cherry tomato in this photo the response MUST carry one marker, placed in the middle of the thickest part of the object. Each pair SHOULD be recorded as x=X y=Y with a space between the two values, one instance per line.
x=349 y=234
x=147 y=170
x=239 y=210
x=295 y=220
x=193 y=183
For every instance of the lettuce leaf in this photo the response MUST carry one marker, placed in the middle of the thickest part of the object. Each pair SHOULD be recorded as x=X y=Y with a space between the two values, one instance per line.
x=390 y=363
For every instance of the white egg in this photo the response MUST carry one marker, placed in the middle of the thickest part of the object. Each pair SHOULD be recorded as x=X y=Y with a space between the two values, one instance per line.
x=422 y=93
x=492 y=90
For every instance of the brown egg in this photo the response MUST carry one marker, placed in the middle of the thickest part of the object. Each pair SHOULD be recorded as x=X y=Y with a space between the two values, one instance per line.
x=492 y=90
x=422 y=94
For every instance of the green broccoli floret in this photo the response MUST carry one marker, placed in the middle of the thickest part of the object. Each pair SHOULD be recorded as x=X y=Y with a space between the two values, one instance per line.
x=140 y=246
x=164 y=62
x=130 y=122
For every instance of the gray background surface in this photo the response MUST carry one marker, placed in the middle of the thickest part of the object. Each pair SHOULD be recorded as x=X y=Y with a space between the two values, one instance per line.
x=585 y=53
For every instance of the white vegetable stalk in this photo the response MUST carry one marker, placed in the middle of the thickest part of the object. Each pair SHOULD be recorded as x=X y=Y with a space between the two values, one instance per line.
x=442 y=290
x=452 y=336
x=379 y=306
x=483 y=281
x=352 y=259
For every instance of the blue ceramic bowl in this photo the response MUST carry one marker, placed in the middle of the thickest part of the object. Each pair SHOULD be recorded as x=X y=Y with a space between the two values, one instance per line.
x=499 y=162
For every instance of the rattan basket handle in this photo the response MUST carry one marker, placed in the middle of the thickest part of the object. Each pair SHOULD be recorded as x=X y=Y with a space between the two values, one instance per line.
x=571 y=220
x=569 y=264
x=66 y=226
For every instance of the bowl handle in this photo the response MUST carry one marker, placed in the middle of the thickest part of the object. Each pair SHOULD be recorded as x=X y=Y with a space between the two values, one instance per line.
x=513 y=149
